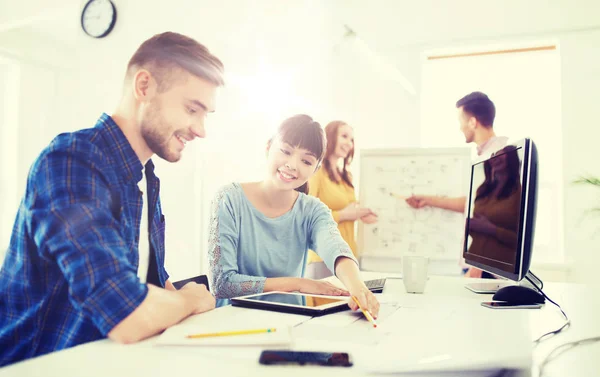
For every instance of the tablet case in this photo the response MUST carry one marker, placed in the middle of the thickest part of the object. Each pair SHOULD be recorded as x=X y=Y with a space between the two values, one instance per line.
x=237 y=301
x=200 y=279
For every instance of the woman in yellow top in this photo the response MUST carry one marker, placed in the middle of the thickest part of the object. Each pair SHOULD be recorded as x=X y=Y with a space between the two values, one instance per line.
x=333 y=185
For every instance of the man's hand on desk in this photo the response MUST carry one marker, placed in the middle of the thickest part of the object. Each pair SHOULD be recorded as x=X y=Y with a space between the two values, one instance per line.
x=199 y=296
x=366 y=298
x=320 y=287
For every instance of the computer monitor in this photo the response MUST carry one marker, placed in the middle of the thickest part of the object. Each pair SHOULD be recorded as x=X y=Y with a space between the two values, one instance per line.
x=501 y=212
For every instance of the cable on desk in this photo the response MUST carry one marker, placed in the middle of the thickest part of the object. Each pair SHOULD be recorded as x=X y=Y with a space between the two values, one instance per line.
x=556 y=352
x=507 y=373
x=567 y=320
x=536 y=278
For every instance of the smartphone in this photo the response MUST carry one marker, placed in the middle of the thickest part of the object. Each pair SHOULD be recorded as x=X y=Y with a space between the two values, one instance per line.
x=507 y=305
x=331 y=359
x=201 y=279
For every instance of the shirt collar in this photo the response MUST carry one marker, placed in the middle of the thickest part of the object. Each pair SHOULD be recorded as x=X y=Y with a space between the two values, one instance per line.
x=120 y=149
x=481 y=149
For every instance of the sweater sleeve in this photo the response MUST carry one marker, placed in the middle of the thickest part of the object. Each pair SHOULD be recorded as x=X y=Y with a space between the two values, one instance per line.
x=325 y=238
x=223 y=249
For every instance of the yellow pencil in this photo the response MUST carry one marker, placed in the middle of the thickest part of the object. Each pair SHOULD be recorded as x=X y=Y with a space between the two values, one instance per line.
x=398 y=196
x=366 y=313
x=229 y=333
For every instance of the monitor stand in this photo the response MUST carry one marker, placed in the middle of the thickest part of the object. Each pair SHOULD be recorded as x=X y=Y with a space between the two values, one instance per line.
x=493 y=285
x=488 y=287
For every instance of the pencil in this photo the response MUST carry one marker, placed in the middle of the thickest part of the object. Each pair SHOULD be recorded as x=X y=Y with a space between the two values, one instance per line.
x=398 y=196
x=366 y=313
x=230 y=333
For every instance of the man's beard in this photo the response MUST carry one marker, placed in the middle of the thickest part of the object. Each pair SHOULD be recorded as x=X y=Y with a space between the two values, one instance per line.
x=157 y=142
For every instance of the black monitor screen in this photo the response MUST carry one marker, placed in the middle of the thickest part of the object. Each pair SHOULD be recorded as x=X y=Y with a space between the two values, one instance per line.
x=495 y=212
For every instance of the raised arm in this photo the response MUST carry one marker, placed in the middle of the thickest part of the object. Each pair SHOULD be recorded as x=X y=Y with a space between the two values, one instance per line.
x=451 y=204
x=79 y=230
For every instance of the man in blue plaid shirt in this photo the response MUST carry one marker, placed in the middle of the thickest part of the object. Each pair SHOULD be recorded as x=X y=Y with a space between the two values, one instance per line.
x=86 y=256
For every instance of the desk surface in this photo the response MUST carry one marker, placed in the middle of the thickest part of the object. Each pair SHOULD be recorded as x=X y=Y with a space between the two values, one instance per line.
x=106 y=358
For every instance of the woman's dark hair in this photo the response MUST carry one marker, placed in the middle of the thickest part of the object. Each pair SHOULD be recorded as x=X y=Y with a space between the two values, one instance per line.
x=331 y=130
x=513 y=177
x=301 y=131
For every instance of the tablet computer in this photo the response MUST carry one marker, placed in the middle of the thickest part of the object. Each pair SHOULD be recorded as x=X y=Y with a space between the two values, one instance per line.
x=292 y=302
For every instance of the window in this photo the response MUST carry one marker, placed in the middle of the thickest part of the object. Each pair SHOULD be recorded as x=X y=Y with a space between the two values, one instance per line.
x=524 y=82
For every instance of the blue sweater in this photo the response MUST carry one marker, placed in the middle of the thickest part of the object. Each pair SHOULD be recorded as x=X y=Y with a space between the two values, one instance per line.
x=246 y=247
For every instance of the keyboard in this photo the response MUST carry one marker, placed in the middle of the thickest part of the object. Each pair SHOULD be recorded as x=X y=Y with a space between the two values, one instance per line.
x=375 y=286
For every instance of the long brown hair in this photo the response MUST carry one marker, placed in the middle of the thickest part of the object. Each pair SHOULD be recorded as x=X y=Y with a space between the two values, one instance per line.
x=301 y=131
x=513 y=181
x=331 y=130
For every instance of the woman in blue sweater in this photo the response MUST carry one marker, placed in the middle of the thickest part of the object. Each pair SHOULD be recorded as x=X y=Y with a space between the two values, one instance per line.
x=260 y=232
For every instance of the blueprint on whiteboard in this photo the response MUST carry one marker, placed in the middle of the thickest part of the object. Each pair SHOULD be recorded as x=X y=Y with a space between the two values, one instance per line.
x=387 y=177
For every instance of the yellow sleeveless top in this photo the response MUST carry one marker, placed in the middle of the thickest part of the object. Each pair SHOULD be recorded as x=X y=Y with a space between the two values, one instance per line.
x=336 y=196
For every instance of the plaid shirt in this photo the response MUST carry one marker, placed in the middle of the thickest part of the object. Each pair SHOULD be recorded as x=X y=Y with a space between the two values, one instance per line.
x=70 y=273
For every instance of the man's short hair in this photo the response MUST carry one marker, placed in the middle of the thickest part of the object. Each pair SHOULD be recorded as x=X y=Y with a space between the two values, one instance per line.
x=164 y=54
x=478 y=105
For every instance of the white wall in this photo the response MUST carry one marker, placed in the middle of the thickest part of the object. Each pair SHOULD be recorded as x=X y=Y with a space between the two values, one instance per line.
x=581 y=132
x=9 y=84
x=31 y=108
x=300 y=45
x=281 y=58
x=580 y=78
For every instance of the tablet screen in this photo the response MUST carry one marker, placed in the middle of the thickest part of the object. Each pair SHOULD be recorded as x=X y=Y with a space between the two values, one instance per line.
x=292 y=302
x=306 y=301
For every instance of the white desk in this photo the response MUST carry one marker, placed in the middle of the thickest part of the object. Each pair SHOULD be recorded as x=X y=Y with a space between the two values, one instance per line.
x=106 y=358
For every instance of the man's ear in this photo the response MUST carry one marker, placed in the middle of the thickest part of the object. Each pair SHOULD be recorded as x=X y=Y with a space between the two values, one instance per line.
x=472 y=123
x=144 y=85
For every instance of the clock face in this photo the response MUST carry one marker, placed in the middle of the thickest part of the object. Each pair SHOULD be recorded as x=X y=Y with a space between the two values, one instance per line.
x=98 y=18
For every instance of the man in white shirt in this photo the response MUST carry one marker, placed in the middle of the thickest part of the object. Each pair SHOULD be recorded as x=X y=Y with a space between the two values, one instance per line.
x=476 y=113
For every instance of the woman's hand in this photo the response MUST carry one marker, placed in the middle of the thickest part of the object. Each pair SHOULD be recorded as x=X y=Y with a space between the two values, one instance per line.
x=353 y=212
x=367 y=299
x=371 y=218
x=321 y=287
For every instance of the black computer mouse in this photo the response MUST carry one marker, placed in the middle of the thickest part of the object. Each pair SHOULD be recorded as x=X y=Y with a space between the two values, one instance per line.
x=518 y=295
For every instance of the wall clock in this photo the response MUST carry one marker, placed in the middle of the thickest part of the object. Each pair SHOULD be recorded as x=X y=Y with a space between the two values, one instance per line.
x=98 y=18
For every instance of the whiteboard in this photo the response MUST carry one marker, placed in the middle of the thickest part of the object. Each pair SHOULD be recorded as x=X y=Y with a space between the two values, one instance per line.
x=401 y=229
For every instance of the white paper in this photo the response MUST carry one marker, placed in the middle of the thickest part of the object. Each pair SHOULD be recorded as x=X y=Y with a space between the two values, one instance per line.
x=233 y=319
x=456 y=336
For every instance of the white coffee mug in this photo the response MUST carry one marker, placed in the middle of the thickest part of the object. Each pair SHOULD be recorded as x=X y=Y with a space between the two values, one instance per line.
x=414 y=273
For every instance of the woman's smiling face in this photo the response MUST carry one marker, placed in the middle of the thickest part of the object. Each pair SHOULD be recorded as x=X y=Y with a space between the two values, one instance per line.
x=289 y=167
